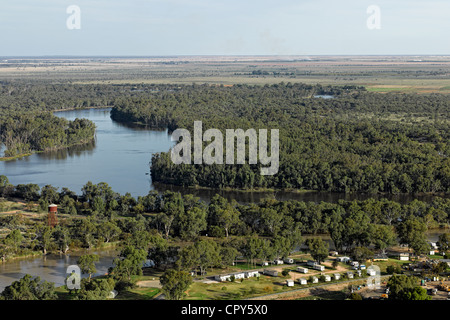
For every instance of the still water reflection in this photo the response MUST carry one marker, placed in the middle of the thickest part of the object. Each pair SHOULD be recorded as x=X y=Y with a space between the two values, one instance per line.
x=119 y=156
x=51 y=267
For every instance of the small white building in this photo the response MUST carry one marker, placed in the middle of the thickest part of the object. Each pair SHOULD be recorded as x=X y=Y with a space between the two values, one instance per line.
x=264 y=263
x=311 y=263
x=290 y=282
x=222 y=277
x=354 y=263
x=227 y=277
x=315 y=280
x=343 y=259
x=270 y=272
x=337 y=276
x=403 y=256
x=371 y=272
x=327 y=278
x=289 y=260
x=302 y=281
x=238 y=275
x=278 y=262
x=350 y=275
x=250 y=274
x=302 y=270
x=319 y=267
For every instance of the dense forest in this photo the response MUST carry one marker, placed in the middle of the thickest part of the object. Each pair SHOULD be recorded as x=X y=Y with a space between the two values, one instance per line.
x=158 y=222
x=357 y=141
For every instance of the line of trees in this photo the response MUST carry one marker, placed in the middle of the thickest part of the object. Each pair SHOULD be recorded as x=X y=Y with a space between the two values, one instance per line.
x=99 y=215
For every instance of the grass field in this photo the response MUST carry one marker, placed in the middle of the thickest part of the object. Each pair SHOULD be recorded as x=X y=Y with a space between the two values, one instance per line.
x=382 y=74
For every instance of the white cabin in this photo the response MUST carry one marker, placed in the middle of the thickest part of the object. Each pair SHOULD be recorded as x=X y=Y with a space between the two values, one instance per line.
x=302 y=270
x=311 y=263
x=319 y=267
x=272 y=273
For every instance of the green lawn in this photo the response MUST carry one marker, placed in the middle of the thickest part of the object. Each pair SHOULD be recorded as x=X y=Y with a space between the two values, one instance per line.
x=235 y=290
x=138 y=294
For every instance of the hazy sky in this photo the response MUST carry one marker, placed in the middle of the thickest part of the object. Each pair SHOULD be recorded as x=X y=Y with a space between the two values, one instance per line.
x=223 y=27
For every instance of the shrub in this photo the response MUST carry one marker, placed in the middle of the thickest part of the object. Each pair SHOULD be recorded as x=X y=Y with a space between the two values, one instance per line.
x=355 y=296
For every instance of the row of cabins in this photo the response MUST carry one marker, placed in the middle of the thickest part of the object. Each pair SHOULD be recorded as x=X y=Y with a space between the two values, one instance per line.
x=237 y=275
x=278 y=262
x=314 y=265
x=327 y=277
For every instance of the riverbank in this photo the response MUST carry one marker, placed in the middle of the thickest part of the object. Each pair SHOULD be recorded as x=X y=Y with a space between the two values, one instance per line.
x=15 y=157
x=19 y=156
x=84 y=108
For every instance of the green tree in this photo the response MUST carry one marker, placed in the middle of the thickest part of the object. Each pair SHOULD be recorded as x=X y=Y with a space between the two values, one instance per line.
x=87 y=264
x=201 y=254
x=192 y=222
x=361 y=254
x=14 y=240
x=29 y=288
x=174 y=283
x=86 y=229
x=29 y=192
x=403 y=287
x=50 y=194
x=412 y=233
x=382 y=236
x=44 y=236
x=129 y=263
x=227 y=218
x=318 y=249
x=223 y=214
x=97 y=289
x=444 y=242
x=109 y=231
x=62 y=237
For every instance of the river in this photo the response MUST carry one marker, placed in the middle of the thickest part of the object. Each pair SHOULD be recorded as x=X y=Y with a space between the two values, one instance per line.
x=119 y=156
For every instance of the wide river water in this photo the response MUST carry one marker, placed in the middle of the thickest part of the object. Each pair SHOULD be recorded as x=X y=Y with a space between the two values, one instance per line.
x=119 y=156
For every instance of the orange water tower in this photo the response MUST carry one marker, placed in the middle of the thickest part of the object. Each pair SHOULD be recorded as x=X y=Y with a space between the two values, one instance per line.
x=52 y=211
